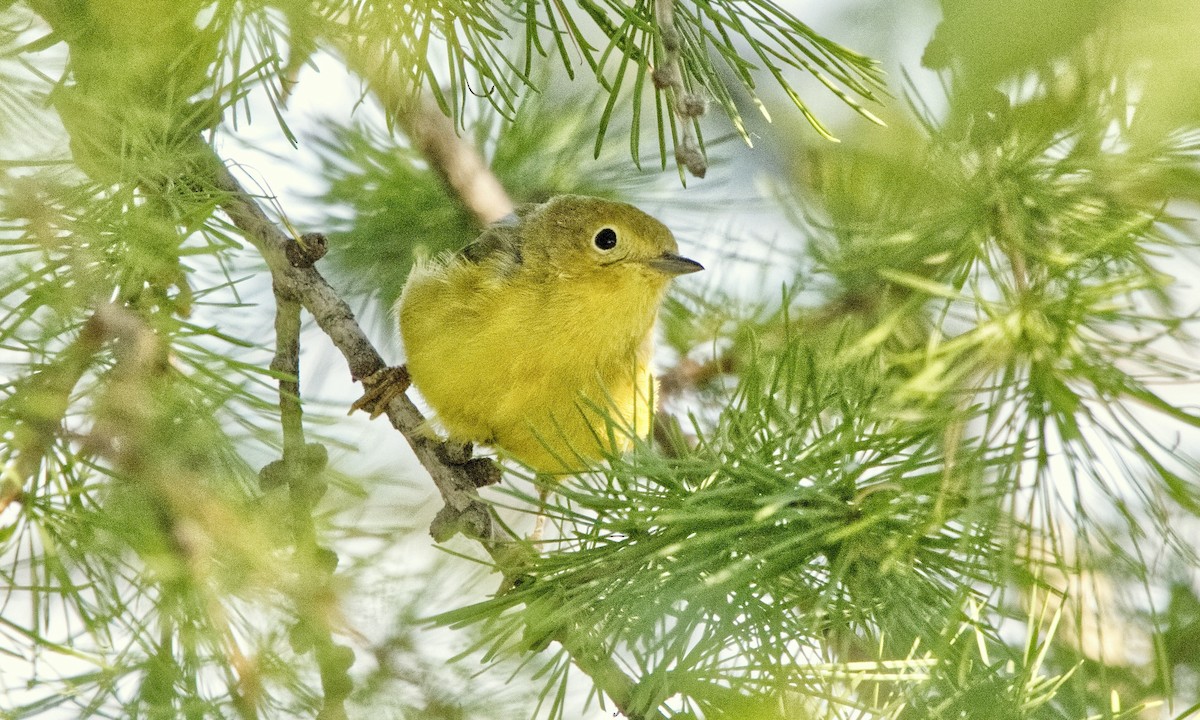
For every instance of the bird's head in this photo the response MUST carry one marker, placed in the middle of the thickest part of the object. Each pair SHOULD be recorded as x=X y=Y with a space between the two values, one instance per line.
x=588 y=237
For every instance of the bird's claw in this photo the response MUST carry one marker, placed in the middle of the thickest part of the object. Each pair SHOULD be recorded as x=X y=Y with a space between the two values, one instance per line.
x=453 y=453
x=482 y=471
x=381 y=387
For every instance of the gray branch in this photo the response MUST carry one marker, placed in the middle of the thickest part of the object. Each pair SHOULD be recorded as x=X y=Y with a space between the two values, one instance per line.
x=464 y=512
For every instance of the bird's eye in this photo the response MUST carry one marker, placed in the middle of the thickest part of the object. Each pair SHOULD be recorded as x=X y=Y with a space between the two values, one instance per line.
x=606 y=239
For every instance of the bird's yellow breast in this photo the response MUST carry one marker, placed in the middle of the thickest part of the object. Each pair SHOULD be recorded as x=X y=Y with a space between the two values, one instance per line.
x=555 y=373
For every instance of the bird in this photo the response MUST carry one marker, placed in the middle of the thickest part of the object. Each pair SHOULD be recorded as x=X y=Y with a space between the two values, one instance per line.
x=536 y=339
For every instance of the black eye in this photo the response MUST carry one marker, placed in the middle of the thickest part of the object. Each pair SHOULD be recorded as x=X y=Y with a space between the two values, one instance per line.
x=606 y=239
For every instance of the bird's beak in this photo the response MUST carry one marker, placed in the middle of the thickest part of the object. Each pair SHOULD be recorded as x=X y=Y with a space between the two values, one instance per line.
x=673 y=264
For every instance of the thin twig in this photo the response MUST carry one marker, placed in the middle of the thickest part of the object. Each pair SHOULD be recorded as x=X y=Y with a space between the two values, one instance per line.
x=46 y=399
x=596 y=661
x=688 y=106
x=464 y=511
x=462 y=169
x=1008 y=238
x=125 y=413
x=459 y=164
x=287 y=362
x=300 y=468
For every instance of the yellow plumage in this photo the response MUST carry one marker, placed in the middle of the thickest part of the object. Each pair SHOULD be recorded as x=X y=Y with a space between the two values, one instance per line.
x=532 y=335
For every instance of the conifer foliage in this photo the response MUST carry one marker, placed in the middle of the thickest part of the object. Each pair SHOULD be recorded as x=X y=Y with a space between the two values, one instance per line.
x=943 y=468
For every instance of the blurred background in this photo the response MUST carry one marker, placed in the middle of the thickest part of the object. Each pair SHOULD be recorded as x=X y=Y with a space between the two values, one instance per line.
x=933 y=400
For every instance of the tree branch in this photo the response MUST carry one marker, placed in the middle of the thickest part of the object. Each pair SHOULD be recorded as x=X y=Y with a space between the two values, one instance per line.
x=287 y=361
x=462 y=169
x=589 y=655
x=464 y=511
x=44 y=400
x=300 y=470
x=688 y=106
x=458 y=163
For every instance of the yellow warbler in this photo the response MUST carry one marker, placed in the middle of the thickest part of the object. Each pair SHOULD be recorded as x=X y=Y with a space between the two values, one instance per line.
x=530 y=337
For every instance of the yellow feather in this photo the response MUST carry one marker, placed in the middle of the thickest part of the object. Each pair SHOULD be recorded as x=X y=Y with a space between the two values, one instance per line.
x=529 y=338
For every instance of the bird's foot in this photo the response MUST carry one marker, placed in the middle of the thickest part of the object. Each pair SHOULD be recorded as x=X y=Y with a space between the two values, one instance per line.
x=482 y=471
x=381 y=387
x=454 y=453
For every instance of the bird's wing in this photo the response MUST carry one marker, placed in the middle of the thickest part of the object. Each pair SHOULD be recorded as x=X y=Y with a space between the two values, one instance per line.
x=500 y=243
